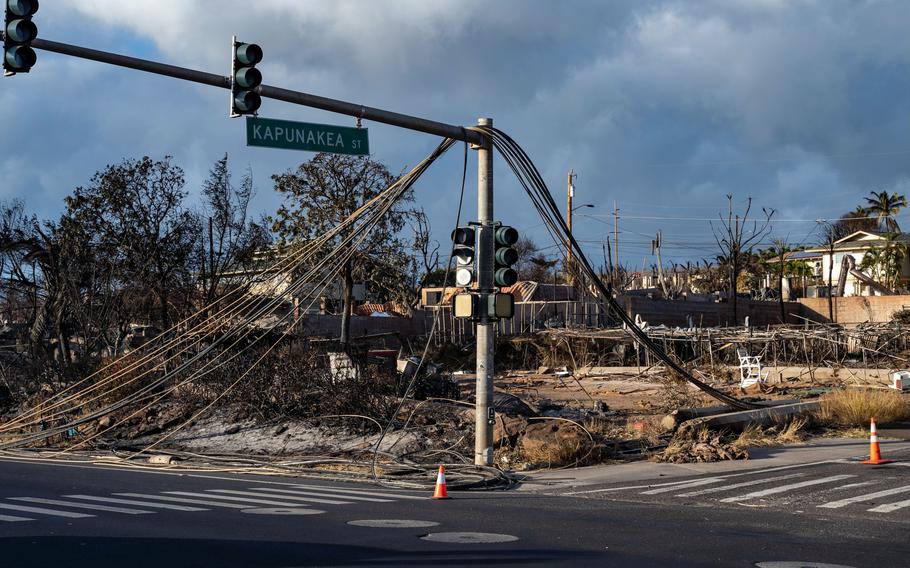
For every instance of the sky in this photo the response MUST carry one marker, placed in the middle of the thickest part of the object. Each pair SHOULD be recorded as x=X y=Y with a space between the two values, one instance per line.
x=662 y=107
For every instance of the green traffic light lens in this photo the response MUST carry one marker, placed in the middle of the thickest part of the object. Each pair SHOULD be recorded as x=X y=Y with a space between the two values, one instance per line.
x=505 y=277
x=247 y=101
x=20 y=58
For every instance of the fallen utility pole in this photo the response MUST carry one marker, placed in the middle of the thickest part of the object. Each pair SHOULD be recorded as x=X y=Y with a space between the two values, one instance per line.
x=484 y=417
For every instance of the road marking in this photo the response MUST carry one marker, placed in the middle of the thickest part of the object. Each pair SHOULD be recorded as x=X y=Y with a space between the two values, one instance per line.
x=785 y=488
x=291 y=492
x=695 y=483
x=131 y=502
x=231 y=498
x=799 y=564
x=866 y=497
x=738 y=485
x=12 y=519
x=183 y=500
x=853 y=485
x=360 y=492
x=283 y=511
x=82 y=505
x=393 y=523
x=469 y=537
x=43 y=511
x=890 y=507
x=676 y=485
x=679 y=483
x=257 y=495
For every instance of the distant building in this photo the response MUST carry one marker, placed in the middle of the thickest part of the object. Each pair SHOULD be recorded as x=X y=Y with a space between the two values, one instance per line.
x=853 y=248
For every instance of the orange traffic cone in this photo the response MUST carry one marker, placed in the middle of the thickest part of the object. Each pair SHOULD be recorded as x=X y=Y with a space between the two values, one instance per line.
x=440 y=492
x=875 y=455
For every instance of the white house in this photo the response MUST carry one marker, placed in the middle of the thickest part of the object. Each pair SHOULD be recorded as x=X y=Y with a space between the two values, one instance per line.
x=853 y=248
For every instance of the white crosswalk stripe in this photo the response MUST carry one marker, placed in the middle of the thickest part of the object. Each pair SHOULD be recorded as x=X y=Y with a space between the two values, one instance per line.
x=867 y=497
x=854 y=485
x=738 y=485
x=13 y=519
x=185 y=500
x=241 y=499
x=890 y=507
x=74 y=505
x=359 y=492
x=315 y=494
x=137 y=503
x=785 y=488
x=257 y=495
x=696 y=483
x=43 y=511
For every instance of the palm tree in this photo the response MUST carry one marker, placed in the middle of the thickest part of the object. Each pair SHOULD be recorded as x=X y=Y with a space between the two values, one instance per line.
x=885 y=207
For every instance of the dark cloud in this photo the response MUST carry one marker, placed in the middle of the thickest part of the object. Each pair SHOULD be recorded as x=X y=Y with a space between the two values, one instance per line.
x=664 y=107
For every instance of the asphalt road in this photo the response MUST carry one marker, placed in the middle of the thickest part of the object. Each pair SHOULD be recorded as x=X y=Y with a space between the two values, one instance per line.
x=78 y=515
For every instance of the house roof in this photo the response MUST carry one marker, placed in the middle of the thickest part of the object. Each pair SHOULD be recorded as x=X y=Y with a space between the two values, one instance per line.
x=861 y=240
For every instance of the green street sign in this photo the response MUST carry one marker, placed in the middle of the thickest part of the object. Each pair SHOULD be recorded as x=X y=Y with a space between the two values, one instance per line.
x=271 y=133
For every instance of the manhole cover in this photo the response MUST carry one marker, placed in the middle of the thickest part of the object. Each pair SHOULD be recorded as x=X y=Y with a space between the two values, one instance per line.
x=791 y=564
x=393 y=523
x=469 y=537
x=282 y=511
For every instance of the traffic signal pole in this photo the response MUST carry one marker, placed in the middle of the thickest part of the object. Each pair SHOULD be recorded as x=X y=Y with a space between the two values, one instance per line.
x=484 y=417
x=265 y=91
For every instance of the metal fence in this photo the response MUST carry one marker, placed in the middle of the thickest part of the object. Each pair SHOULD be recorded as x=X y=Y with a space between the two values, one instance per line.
x=529 y=317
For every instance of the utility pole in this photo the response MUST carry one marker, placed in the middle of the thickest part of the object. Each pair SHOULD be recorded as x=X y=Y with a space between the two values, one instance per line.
x=616 y=239
x=570 y=193
x=484 y=417
x=655 y=248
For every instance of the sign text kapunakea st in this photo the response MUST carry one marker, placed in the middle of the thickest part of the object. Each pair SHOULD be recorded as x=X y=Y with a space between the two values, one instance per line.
x=271 y=133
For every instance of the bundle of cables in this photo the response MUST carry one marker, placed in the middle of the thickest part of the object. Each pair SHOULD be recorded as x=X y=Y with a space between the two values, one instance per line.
x=532 y=182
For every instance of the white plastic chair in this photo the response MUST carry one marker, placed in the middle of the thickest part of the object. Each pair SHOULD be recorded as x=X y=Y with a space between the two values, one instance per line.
x=750 y=371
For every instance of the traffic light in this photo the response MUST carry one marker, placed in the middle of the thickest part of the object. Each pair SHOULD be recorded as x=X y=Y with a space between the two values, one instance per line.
x=466 y=306
x=464 y=243
x=500 y=305
x=245 y=78
x=505 y=256
x=18 y=32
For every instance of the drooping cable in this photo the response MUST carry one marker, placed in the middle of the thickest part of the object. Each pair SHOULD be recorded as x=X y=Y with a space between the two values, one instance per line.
x=533 y=184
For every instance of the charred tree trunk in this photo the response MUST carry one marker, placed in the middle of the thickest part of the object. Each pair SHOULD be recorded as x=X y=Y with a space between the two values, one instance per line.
x=348 y=299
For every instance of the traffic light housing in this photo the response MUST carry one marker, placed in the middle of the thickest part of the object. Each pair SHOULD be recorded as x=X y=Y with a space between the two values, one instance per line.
x=500 y=305
x=245 y=78
x=18 y=32
x=466 y=306
x=505 y=256
x=464 y=244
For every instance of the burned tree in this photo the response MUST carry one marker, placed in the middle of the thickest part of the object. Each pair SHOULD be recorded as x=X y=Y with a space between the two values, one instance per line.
x=229 y=237
x=326 y=190
x=736 y=236
x=133 y=213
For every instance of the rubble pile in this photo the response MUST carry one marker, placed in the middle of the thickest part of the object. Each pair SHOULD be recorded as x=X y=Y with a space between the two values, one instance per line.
x=700 y=446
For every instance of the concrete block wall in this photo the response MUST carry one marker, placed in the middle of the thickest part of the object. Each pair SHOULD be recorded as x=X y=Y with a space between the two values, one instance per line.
x=854 y=310
x=707 y=314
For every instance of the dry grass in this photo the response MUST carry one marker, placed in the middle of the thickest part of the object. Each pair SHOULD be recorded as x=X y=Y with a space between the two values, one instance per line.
x=754 y=436
x=855 y=407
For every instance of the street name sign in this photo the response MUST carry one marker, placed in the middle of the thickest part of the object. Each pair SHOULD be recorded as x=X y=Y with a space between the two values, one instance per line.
x=271 y=133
